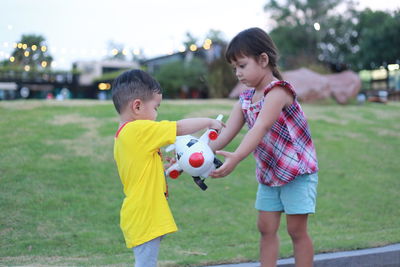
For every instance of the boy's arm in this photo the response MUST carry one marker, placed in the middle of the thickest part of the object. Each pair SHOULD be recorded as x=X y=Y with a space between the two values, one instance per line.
x=233 y=125
x=192 y=125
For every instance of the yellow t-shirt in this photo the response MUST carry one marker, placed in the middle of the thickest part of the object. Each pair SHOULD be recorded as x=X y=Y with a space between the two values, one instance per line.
x=145 y=213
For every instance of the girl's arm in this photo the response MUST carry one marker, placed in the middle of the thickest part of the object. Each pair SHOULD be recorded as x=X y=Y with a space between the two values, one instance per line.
x=233 y=125
x=277 y=99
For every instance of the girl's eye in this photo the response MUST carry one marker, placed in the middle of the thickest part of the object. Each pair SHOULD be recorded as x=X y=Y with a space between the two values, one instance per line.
x=242 y=66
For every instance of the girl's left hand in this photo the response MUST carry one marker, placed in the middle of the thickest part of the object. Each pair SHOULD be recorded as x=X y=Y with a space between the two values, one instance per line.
x=231 y=160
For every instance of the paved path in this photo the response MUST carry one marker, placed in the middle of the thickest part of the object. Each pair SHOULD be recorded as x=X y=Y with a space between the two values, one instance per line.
x=387 y=256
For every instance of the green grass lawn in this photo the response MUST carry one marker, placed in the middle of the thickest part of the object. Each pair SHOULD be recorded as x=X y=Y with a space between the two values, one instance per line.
x=60 y=194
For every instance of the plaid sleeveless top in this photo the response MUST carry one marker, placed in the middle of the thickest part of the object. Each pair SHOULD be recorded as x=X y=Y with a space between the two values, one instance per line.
x=286 y=150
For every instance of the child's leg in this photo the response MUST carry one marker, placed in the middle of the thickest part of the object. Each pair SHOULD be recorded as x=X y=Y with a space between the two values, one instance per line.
x=268 y=225
x=302 y=244
x=299 y=199
x=146 y=254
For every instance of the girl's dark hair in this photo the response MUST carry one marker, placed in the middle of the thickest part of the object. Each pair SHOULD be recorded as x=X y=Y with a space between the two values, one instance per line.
x=252 y=43
x=131 y=85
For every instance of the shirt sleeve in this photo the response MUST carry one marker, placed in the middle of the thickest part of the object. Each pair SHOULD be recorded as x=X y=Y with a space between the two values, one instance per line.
x=283 y=84
x=158 y=134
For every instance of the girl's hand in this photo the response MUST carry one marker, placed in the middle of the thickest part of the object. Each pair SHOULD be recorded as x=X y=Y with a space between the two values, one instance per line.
x=231 y=160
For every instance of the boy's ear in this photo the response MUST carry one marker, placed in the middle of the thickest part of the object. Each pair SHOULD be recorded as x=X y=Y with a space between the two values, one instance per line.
x=136 y=105
x=264 y=60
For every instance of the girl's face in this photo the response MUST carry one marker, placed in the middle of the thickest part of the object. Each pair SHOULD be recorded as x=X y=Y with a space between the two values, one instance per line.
x=249 y=71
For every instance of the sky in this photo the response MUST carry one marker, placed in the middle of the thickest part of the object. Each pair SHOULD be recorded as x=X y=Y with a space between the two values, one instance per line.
x=84 y=29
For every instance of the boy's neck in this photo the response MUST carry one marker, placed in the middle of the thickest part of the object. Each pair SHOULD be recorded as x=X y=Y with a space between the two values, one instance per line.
x=124 y=118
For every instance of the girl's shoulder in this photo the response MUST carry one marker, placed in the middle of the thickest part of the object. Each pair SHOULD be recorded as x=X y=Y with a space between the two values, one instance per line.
x=280 y=83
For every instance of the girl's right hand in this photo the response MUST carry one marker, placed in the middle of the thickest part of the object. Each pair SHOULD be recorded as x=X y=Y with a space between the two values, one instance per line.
x=231 y=160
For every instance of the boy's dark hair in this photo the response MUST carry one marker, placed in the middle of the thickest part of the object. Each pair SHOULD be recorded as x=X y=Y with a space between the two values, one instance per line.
x=131 y=85
x=252 y=43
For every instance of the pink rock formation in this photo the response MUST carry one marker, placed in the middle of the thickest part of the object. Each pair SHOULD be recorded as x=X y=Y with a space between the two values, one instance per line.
x=344 y=85
x=237 y=90
x=311 y=86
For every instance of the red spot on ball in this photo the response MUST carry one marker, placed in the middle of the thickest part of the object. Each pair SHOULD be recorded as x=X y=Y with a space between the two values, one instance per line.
x=174 y=174
x=196 y=159
x=213 y=135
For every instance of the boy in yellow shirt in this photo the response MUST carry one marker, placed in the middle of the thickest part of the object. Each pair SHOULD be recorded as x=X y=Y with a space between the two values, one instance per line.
x=145 y=215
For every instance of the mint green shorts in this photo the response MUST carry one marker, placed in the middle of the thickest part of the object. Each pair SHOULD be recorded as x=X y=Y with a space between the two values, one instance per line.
x=296 y=197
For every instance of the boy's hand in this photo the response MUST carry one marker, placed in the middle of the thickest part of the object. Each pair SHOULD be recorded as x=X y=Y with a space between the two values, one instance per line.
x=170 y=161
x=216 y=125
x=231 y=160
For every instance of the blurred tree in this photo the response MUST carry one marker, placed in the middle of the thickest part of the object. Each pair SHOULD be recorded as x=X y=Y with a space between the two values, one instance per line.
x=138 y=55
x=334 y=32
x=301 y=26
x=31 y=51
x=190 y=40
x=377 y=41
x=179 y=77
x=338 y=40
x=216 y=36
x=220 y=77
x=118 y=52
x=364 y=40
x=195 y=71
x=170 y=78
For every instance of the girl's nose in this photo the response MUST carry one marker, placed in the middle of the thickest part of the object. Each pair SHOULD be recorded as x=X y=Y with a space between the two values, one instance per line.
x=238 y=73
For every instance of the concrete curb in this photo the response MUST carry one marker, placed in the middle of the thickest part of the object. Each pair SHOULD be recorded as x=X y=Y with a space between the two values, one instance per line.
x=387 y=256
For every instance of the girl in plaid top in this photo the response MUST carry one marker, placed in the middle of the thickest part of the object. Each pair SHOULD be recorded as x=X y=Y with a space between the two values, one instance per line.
x=280 y=139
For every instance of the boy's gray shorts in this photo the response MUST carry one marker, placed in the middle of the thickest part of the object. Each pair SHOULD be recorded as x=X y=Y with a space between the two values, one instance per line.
x=146 y=254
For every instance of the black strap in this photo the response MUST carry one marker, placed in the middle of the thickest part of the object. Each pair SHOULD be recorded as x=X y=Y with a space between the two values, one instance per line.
x=200 y=182
x=217 y=163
